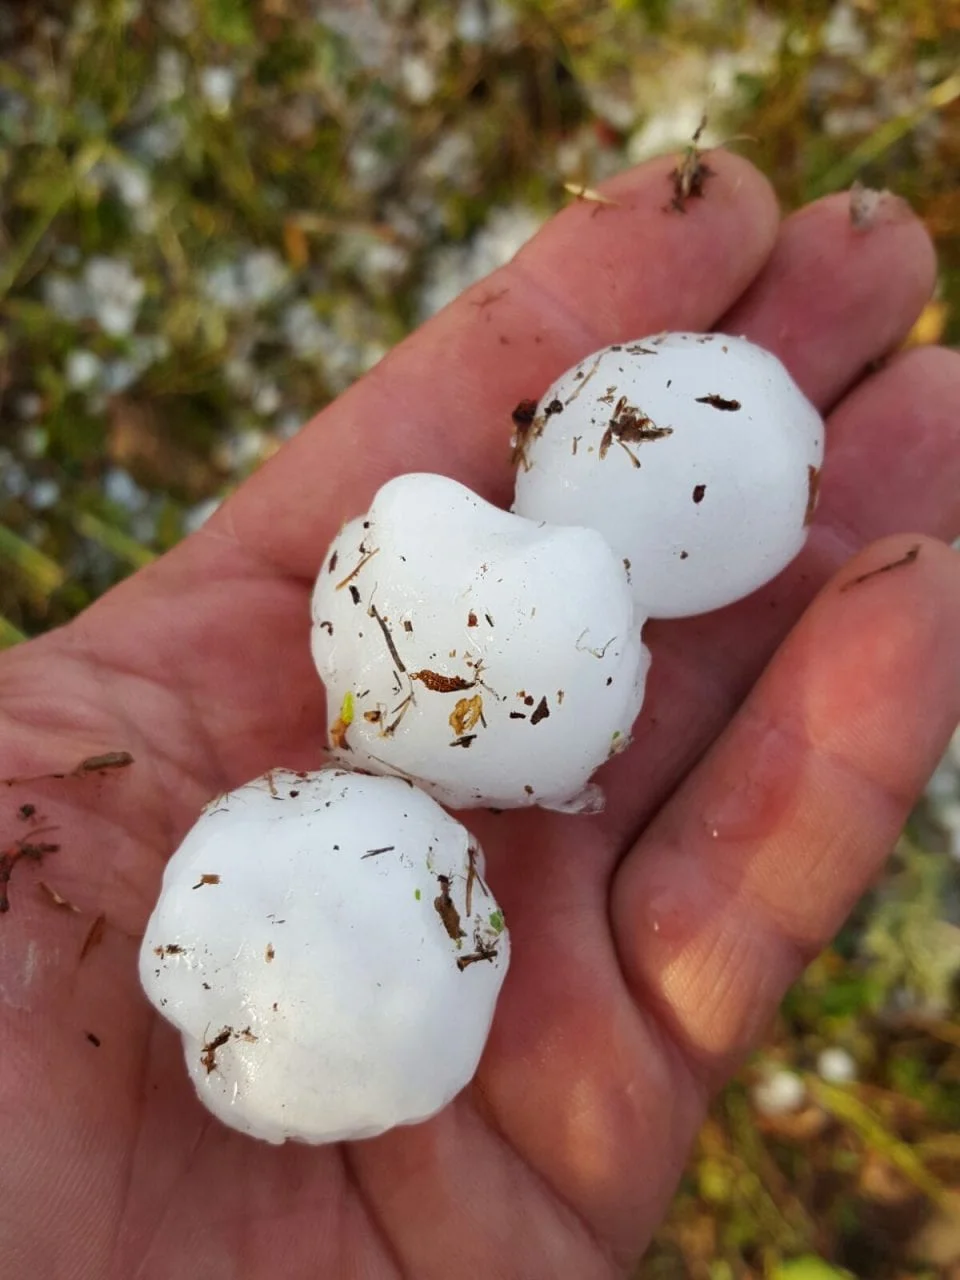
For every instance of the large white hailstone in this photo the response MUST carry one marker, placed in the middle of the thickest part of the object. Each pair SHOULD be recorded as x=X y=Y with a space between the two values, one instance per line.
x=330 y=950
x=695 y=455
x=489 y=659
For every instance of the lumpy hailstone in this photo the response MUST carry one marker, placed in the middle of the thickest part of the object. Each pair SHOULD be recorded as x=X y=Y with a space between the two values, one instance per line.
x=695 y=455
x=329 y=948
x=490 y=659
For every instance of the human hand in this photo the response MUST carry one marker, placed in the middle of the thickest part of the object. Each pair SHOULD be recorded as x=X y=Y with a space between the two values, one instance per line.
x=651 y=943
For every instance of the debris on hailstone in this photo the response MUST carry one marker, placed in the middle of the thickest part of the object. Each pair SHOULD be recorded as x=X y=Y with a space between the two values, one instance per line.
x=489 y=659
x=329 y=948
x=695 y=455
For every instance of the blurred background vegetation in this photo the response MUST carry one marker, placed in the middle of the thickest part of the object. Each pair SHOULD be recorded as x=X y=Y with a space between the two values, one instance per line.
x=215 y=214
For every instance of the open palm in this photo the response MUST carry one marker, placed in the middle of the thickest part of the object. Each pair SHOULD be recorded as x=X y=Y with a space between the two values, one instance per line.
x=650 y=943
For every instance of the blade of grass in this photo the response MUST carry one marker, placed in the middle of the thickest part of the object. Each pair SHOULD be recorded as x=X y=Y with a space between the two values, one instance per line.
x=845 y=1106
x=886 y=136
x=113 y=539
x=43 y=574
x=9 y=634
x=61 y=193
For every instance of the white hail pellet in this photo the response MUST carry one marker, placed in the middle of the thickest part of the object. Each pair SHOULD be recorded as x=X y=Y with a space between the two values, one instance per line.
x=330 y=950
x=695 y=455
x=778 y=1092
x=489 y=659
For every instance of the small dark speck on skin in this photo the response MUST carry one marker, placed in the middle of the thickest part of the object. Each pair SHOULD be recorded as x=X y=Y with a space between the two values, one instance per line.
x=94 y=1040
x=698 y=492
x=907 y=558
x=26 y=811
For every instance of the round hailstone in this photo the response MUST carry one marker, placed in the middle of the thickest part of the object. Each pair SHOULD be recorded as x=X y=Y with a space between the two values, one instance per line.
x=330 y=950
x=695 y=455
x=489 y=659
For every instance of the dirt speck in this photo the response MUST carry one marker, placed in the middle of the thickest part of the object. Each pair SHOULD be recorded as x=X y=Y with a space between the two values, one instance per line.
x=542 y=712
x=698 y=492
x=444 y=906
x=630 y=425
x=813 y=493
x=171 y=949
x=35 y=851
x=718 y=402
x=908 y=557
x=208 y=878
x=208 y=1058
x=439 y=683
x=466 y=714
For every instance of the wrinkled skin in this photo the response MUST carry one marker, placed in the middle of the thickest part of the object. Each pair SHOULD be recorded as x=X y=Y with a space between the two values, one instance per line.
x=782 y=744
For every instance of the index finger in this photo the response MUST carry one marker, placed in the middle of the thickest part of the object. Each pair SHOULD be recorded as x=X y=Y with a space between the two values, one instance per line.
x=441 y=400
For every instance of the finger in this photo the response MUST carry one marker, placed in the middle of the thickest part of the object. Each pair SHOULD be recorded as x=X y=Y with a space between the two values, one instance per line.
x=832 y=299
x=441 y=401
x=893 y=463
x=761 y=854
x=893 y=459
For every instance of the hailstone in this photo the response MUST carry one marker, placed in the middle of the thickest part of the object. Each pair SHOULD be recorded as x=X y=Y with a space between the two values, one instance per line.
x=330 y=950
x=489 y=659
x=695 y=455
